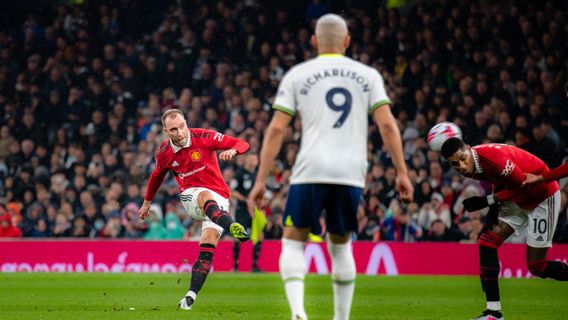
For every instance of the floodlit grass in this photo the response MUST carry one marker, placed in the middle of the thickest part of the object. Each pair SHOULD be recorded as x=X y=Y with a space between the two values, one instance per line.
x=261 y=296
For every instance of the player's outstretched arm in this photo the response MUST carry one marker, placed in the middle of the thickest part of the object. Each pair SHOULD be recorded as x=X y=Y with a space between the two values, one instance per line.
x=271 y=145
x=391 y=137
x=552 y=175
x=231 y=146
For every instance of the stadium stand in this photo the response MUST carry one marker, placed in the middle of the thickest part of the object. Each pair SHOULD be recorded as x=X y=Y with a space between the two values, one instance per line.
x=82 y=88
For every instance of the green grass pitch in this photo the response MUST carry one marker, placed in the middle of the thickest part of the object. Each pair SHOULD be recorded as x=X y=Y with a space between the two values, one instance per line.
x=261 y=296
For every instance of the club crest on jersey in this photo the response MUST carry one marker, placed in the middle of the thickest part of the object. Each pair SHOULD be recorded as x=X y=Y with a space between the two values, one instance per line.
x=509 y=167
x=195 y=155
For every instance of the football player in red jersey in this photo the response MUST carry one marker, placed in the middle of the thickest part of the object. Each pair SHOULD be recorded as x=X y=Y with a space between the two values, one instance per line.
x=552 y=175
x=535 y=208
x=191 y=154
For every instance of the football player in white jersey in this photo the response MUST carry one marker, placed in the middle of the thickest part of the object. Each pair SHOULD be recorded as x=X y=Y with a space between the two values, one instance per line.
x=334 y=96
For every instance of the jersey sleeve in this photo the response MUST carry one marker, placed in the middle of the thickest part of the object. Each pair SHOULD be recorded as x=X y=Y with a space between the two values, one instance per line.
x=156 y=179
x=219 y=141
x=285 y=97
x=378 y=96
x=556 y=173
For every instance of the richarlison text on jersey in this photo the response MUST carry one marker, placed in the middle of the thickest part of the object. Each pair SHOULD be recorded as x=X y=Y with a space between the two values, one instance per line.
x=335 y=72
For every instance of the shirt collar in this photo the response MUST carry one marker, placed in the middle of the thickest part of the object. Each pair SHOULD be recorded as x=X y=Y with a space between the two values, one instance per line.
x=187 y=144
x=478 y=168
x=330 y=55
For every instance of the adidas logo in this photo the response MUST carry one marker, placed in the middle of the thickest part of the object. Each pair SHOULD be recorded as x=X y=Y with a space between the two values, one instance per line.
x=539 y=238
x=175 y=164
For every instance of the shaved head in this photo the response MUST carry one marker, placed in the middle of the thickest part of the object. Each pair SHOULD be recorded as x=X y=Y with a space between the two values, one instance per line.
x=331 y=31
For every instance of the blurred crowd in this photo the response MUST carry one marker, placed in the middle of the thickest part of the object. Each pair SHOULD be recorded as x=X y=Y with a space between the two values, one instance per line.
x=82 y=88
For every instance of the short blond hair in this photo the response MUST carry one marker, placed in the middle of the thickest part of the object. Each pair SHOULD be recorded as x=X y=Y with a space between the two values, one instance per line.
x=171 y=114
x=330 y=31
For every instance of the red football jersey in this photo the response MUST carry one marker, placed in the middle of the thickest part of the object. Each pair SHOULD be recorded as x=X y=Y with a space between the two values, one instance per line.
x=195 y=164
x=504 y=166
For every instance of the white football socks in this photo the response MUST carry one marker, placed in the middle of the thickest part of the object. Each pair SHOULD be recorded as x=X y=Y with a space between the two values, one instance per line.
x=191 y=294
x=293 y=270
x=494 y=305
x=343 y=274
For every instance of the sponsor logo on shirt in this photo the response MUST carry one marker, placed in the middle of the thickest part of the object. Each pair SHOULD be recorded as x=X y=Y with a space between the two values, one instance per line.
x=195 y=155
x=175 y=164
x=509 y=167
x=190 y=173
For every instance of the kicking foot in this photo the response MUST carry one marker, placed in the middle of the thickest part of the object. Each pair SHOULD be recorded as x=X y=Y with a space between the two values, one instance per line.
x=239 y=232
x=490 y=315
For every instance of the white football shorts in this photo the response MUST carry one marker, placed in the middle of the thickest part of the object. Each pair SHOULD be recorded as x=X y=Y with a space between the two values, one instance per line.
x=189 y=200
x=540 y=222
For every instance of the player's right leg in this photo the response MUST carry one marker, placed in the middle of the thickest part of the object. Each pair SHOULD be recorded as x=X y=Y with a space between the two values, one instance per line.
x=341 y=206
x=209 y=240
x=542 y=268
x=293 y=269
x=343 y=273
x=210 y=207
x=489 y=242
x=301 y=216
x=541 y=225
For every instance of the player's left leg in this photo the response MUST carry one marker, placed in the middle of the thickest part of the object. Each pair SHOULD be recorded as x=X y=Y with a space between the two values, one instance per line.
x=341 y=207
x=200 y=271
x=540 y=267
x=301 y=215
x=541 y=226
x=209 y=205
x=343 y=273
x=489 y=243
x=293 y=269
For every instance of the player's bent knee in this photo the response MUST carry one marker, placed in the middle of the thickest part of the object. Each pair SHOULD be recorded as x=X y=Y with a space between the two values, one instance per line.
x=537 y=268
x=203 y=197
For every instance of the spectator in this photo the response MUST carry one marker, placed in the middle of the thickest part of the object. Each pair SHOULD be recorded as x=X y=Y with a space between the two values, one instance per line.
x=174 y=227
x=156 y=228
x=79 y=228
x=398 y=226
x=134 y=227
x=462 y=231
x=62 y=227
x=7 y=228
x=113 y=228
x=274 y=227
x=435 y=210
x=438 y=232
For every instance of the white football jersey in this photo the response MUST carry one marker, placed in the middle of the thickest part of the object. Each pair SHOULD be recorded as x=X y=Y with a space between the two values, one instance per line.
x=333 y=95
